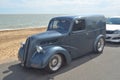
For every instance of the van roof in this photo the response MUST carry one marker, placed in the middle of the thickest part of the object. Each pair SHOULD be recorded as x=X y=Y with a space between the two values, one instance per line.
x=79 y=16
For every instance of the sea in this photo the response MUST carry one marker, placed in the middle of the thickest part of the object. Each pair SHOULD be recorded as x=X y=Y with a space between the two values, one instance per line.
x=21 y=21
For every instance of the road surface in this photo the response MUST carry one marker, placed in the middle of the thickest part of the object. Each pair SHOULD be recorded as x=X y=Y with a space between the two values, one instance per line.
x=104 y=66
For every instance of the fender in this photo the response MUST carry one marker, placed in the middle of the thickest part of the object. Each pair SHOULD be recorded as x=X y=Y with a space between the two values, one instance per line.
x=51 y=50
x=42 y=59
x=96 y=40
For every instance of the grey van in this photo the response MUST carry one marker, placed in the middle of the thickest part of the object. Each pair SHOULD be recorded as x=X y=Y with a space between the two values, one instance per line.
x=66 y=38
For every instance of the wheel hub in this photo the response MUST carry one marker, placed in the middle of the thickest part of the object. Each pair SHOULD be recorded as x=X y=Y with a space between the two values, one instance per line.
x=100 y=44
x=54 y=62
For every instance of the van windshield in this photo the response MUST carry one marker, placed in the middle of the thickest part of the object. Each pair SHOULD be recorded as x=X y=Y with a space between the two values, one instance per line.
x=113 y=21
x=61 y=25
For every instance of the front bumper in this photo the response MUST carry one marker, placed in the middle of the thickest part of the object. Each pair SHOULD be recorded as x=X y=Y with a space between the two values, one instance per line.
x=113 y=37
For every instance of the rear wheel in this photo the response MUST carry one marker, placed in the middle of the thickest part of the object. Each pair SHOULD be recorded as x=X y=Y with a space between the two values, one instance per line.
x=54 y=64
x=100 y=45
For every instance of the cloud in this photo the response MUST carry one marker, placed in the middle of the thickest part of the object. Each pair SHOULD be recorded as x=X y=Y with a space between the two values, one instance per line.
x=47 y=3
x=107 y=7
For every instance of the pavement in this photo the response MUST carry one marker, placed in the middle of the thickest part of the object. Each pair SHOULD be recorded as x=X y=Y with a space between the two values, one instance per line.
x=105 y=66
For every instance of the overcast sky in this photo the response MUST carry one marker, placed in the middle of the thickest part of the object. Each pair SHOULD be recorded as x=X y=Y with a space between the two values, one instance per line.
x=106 y=7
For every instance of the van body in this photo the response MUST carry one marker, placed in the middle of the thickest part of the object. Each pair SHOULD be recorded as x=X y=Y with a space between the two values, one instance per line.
x=66 y=38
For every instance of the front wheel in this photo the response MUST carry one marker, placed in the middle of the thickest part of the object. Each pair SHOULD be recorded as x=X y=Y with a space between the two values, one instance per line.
x=54 y=64
x=100 y=45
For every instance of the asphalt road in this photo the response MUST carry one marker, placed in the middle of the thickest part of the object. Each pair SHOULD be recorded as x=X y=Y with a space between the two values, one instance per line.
x=104 y=66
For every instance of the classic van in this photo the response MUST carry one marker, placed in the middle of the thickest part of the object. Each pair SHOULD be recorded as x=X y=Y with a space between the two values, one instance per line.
x=66 y=38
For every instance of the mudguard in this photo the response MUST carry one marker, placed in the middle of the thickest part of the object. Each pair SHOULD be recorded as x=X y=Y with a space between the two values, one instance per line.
x=96 y=40
x=42 y=59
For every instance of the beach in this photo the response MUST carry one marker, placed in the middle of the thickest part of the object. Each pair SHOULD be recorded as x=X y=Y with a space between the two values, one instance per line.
x=10 y=42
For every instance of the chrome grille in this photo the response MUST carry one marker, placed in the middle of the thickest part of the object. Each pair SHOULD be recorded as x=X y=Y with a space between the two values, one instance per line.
x=26 y=49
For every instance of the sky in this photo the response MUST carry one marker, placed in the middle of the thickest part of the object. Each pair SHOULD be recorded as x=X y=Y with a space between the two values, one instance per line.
x=105 y=7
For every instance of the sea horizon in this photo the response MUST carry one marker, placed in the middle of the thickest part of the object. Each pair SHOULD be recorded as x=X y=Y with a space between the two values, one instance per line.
x=22 y=21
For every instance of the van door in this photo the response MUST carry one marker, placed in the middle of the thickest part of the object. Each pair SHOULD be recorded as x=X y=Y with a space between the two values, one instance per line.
x=78 y=38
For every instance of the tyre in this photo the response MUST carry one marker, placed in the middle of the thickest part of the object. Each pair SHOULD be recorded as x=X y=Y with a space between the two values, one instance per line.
x=54 y=64
x=99 y=46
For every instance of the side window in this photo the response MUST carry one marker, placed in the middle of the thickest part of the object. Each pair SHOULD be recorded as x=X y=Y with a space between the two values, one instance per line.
x=53 y=24
x=79 y=25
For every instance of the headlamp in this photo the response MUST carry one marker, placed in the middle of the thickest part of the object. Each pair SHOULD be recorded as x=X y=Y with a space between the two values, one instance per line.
x=22 y=44
x=117 y=32
x=39 y=49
